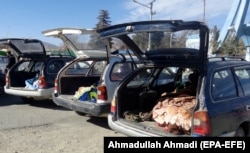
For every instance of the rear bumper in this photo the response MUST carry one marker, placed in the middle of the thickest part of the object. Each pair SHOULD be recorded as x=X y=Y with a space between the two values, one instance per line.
x=127 y=130
x=41 y=94
x=94 y=109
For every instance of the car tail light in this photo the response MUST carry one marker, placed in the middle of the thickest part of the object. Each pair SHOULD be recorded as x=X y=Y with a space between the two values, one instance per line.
x=113 y=107
x=42 y=82
x=201 y=123
x=102 y=93
x=56 y=86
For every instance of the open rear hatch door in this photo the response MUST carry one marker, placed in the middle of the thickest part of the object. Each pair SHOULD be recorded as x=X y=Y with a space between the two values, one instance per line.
x=80 y=42
x=166 y=41
x=26 y=48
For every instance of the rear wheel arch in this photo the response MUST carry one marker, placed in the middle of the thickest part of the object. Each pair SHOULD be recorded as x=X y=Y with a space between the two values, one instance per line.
x=240 y=132
x=243 y=130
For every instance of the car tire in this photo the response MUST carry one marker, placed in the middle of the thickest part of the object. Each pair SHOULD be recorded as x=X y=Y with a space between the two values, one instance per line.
x=240 y=132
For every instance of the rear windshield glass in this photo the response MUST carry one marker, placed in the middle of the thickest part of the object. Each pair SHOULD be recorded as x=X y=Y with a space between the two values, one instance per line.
x=161 y=40
x=86 y=41
x=29 y=66
x=28 y=46
x=86 y=68
x=121 y=70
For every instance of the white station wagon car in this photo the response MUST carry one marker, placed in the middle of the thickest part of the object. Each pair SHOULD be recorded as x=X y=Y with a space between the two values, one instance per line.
x=86 y=85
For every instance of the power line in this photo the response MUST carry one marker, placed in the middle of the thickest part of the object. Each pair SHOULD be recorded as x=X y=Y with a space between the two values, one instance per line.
x=151 y=14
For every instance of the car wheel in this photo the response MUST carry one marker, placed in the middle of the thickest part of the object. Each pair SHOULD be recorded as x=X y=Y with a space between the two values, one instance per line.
x=240 y=132
x=1 y=88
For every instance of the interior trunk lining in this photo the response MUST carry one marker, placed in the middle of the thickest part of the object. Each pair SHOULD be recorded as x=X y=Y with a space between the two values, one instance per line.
x=69 y=85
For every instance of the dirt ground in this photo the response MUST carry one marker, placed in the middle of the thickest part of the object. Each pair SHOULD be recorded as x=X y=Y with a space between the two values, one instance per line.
x=46 y=128
x=53 y=139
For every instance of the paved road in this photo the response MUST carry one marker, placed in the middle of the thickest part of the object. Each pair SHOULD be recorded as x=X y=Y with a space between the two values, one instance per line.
x=43 y=127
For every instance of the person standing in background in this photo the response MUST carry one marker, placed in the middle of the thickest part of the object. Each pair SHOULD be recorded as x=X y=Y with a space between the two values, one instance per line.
x=11 y=61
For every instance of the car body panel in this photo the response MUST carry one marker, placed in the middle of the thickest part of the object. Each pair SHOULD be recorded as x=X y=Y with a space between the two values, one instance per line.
x=230 y=112
x=94 y=109
x=36 y=94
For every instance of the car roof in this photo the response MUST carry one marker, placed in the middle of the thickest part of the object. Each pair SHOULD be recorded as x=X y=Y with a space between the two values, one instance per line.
x=215 y=62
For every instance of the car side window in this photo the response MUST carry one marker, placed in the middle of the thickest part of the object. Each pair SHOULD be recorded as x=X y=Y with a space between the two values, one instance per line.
x=119 y=71
x=166 y=76
x=55 y=65
x=79 y=67
x=221 y=88
x=98 y=67
x=244 y=79
x=38 y=66
x=24 y=66
x=3 y=60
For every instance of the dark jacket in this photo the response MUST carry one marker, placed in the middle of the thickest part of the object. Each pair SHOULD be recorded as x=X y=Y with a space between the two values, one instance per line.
x=11 y=61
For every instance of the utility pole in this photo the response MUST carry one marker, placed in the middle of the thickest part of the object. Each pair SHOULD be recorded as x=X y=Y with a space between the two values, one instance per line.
x=204 y=11
x=150 y=6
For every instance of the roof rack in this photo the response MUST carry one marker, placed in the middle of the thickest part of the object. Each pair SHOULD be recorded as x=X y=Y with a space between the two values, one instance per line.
x=226 y=58
x=58 y=55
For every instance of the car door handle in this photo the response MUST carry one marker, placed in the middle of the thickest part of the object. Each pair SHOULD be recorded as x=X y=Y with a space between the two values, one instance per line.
x=248 y=107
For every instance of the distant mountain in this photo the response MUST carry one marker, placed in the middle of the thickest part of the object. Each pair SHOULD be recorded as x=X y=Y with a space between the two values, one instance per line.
x=49 y=46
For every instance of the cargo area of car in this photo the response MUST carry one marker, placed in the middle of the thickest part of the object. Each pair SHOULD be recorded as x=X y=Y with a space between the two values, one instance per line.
x=69 y=85
x=162 y=112
x=17 y=78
